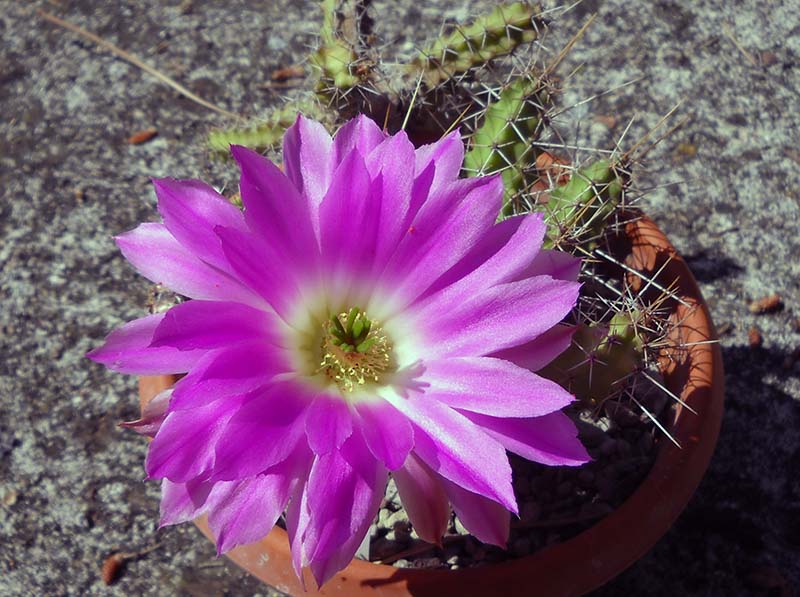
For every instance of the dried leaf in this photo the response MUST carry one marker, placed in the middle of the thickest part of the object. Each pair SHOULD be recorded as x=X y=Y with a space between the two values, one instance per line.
x=754 y=337
x=767 y=304
x=142 y=136
x=112 y=566
x=289 y=72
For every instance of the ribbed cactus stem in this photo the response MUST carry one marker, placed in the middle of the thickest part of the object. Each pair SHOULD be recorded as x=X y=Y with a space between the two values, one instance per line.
x=477 y=43
x=600 y=360
x=336 y=56
x=266 y=134
x=578 y=210
x=503 y=143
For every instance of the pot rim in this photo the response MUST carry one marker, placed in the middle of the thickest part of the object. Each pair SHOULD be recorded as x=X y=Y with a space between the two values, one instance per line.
x=598 y=554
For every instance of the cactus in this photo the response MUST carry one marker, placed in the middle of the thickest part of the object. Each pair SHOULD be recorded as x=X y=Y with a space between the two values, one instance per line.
x=578 y=210
x=489 y=37
x=503 y=142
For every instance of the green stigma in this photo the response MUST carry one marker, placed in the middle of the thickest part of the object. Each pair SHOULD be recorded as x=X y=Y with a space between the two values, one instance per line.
x=355 y=351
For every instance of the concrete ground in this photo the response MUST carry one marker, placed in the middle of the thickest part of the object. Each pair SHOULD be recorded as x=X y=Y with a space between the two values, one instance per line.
x=725 y=187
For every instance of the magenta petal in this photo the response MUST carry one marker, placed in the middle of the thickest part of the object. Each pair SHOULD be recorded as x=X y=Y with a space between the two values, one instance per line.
x=308 y=160
x=127 y=350
x=153 y=414
x=551 y=439
x=329 y=423
x=182 y=502
x=505 y=249
x=156 y=255
x=388 y=433
x=482 y=517
x=360 y=134
x=447 y=154
x=558 y=264
x=422 y=495
x=250 y=510
x=262 y=433
x=392 y=165
x=347 y=217
x=229 y=371
x=184 y=447
x=213 y=324
x=345 y=488
x=453 y=446
x=501 y=317
x=537 y=353
x=494 y=387
x=297 y=520
x=274 y=208
x=259 y=266
x=431 y=246
x=191 y=210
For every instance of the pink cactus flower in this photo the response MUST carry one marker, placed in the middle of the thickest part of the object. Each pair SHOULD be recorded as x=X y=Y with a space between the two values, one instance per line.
x=364 y=315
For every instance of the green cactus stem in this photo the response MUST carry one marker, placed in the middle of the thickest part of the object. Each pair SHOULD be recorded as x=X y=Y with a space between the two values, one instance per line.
x=477 y=43
x=503 y=141
x=600 y=360
x=578 y=210
x=264 y=135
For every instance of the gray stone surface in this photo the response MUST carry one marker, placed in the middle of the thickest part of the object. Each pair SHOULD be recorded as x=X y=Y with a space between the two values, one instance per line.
x=71 y=489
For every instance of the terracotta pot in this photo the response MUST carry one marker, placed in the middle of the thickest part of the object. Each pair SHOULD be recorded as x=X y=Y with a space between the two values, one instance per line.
x=598 y=554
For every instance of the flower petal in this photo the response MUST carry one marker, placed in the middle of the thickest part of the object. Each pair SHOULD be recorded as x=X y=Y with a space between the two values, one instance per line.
x=213 y=324
x=153 y=415
x=274 y=208
x=329 y=423
x=457 y=449
x=436 y=242
x=503 y=316
x=551 y=439
x=307 y=161
x=259 y=266
x=156 y=255
x=505 y=249
x=347 y=218
x=423 y=497
x=392 y=165
x=184 y=447
x=238 y=369
x=493 y=387
x=447 y=154
x=360 y=134
x=128 y=350
x=537 y=353
x=558 y=264
x=191 y=210
x=388 y=433
x=262 y=433
x=345 y=488
x=182 y=502
x=250 y=510
x=482 y=517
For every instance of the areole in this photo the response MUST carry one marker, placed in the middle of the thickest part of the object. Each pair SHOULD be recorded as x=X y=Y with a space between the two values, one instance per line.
x=595 y=556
